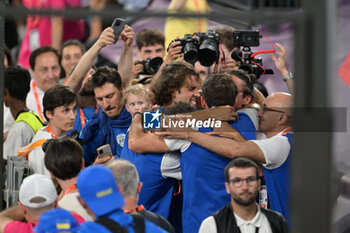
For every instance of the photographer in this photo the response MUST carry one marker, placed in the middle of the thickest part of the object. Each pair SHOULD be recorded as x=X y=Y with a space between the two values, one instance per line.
x=226 y=63
x=150 y=44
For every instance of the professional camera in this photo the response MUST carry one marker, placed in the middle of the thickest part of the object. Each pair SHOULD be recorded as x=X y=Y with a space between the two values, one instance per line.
x=243 y=40
x=189 y=48
x=151 y=66
x=209 y=48
x=201 y=46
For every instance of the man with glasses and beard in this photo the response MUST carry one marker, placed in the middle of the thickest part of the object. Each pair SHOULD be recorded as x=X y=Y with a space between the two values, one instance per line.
x=242 y=183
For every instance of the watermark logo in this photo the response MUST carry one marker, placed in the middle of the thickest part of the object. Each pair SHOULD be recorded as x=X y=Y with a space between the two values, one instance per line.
x=151 y=120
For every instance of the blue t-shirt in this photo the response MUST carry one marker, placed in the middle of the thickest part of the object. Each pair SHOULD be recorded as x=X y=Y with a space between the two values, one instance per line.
x=125 y=220
x=156 y=192
x=88 y=114
x=278 y=184
x=203 y=178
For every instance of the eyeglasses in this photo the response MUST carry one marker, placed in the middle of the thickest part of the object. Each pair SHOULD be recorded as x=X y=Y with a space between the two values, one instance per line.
x=237 y=182
x=264 y=108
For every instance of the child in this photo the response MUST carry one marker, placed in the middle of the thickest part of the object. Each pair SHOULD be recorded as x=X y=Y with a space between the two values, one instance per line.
x=137 y=99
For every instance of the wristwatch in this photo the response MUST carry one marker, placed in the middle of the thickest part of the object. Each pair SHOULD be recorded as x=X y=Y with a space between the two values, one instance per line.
x=290 y=76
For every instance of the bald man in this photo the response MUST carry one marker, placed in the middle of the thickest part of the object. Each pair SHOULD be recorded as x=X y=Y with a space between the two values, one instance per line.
x=272 y=149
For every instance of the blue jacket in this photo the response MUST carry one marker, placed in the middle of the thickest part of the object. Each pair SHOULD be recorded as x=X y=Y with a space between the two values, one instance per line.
x=101 y=130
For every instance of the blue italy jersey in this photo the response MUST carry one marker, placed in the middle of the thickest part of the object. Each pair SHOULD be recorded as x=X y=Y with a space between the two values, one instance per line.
x=156 y=192
x=203 y=178
x=278 y=184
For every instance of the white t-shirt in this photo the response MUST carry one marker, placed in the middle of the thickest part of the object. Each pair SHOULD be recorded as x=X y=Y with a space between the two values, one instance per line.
x=275 y=149
x=70 y=202
x=36 y=156
x=31 y=102
x=259 y=221
x=20 y=135
x=8 y=119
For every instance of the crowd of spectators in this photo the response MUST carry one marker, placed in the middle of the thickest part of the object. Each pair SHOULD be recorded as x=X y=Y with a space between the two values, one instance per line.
x=188 y=145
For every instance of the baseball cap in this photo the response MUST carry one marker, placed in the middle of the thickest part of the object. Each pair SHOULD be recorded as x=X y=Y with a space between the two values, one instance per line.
x=98 y=189
x=37 y=185
x=56 y=220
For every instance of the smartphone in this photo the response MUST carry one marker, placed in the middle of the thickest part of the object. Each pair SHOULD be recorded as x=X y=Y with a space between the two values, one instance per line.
x=104 y=151
x=118 y=26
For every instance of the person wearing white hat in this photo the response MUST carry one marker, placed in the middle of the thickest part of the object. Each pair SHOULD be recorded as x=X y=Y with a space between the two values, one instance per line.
x=37 y=195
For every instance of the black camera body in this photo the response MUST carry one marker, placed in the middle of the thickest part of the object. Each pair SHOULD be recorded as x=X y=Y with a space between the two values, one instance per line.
x=151 y=66
x=246 y=38
x=243 y=40
x=189 y=46
x=203 y=47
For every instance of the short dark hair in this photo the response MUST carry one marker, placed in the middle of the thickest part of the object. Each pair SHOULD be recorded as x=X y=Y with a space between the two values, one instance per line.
x=172 y=78
x=240 y=162
x=261 y=87
x=219 y=90
x=56 y=96
x=149 y=36
x=106 y=74
x=248 y=81
x=17 y=82
x=180 y=107
x=73 y=42
x=38 y=52
x=226 y=35
x=63 y=158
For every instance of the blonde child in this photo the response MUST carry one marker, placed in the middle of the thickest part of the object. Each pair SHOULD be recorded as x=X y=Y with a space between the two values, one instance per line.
x=137 y=99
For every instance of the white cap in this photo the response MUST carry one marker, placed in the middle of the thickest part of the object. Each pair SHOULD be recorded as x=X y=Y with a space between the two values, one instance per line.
x=37 y=185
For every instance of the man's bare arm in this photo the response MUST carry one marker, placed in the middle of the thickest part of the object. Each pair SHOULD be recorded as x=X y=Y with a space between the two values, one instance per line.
x=140 y=142
x=12 y=214
x=125 y=62
x=76 y=78
x=222 y=146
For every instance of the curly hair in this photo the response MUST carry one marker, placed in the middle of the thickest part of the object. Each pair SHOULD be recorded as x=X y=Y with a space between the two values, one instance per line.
x=173 y=76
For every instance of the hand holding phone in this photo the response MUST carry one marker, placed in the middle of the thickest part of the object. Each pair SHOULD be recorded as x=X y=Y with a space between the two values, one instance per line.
x=104 y=150
x=118 y=26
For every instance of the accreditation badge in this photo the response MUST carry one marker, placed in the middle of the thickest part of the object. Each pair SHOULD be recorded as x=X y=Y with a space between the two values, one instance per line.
x=34 y=39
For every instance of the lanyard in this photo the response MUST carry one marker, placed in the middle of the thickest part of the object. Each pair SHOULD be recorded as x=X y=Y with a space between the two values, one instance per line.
x=33 y=21
x=70 y=189
x=137 y=209
x=82 y=116
x=286 y=131
x=38 y=106
x=51 y=132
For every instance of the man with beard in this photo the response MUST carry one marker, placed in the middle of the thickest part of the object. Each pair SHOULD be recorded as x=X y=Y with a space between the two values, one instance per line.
x=243 y=184
x=178 y=82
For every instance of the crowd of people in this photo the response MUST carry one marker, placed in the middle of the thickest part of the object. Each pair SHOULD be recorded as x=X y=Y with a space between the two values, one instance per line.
x=63 y=107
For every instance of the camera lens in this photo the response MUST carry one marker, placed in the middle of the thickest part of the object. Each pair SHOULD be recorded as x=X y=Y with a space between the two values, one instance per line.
x=190 y=52
x=154 y=65
x=237 y=55
x=208 y=52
